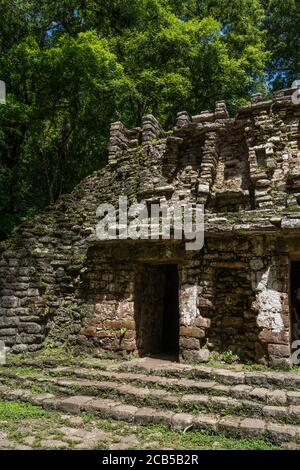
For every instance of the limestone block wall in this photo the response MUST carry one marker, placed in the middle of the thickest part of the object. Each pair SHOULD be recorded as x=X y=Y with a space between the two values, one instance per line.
x=21 y=326
x=107 y=290
x=235 y=297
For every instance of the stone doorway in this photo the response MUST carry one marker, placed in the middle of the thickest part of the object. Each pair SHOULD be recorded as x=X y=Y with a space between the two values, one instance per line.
x=295 y=300
x=156 y=301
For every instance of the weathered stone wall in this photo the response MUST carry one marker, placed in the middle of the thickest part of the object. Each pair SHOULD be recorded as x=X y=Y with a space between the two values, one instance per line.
x=22 y=327
x=107 y=288
x=235 y=297
x=58 y=282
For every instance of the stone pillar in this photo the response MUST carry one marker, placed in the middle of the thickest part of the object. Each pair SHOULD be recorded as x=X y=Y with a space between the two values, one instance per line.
x=270 y=283
x=257 y=98
x=151 y=129
x=117 y=141
x=221 y=110
x=192 y=324
x=208 y=167
x=183 y=119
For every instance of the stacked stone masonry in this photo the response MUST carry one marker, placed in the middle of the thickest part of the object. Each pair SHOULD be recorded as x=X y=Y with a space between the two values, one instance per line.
x=60 y=284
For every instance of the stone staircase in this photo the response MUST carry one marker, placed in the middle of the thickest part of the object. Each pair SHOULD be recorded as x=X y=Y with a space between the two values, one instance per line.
x=264 y=405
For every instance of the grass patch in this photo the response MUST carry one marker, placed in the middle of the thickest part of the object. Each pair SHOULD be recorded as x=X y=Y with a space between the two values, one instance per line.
x=196 y=440
x=16 y=411
x=24 y=370
x=179 y=440
x=19 y=420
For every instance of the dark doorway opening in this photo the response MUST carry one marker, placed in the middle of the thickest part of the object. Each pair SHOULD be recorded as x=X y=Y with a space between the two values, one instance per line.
x=157 y=310
x=295 y=300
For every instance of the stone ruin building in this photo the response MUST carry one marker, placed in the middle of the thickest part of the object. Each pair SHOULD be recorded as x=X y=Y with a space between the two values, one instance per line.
x=60 y=284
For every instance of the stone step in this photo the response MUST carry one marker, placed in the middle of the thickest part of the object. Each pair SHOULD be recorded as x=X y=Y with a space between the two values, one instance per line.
x=149 y=366
x=260 y=394
x=268 y=379
x=229 y=425
x=161 y=398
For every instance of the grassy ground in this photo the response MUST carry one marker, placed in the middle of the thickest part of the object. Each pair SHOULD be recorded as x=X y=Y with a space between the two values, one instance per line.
x=25 y=426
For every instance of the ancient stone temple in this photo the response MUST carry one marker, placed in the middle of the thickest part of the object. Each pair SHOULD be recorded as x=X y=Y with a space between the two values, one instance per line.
x=59 y=283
